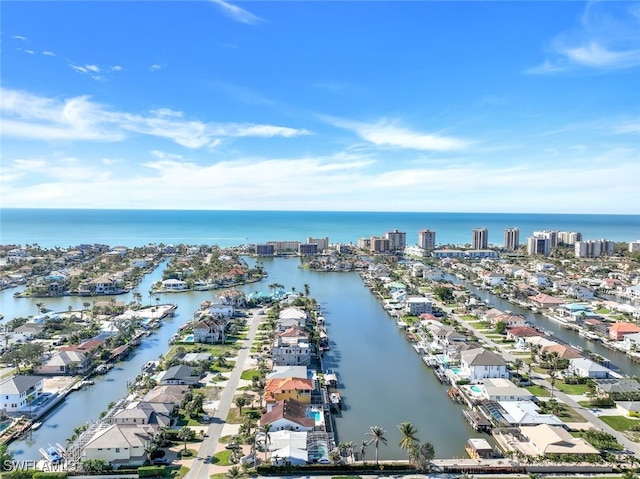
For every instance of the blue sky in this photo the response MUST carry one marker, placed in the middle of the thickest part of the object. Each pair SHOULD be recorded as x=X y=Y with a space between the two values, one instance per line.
x=374 y=106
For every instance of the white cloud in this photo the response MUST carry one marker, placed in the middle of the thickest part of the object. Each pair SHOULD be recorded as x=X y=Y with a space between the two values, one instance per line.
x=156 y=67
x=388 y=133
x=93 y=68
x=237 y=13
x=24 y=50
x=20 y=37
x=49 y=53
x=340 y=181
x=116 y=68
x=79 y=118
x=607 y=39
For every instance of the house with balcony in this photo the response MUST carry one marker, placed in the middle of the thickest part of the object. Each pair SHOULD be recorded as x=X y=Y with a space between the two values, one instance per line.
x=65 y=362
x=280 y=389
x=480 y=364
x=17 y=392
x=417 y=305
x=291 y=348
x=210 y=329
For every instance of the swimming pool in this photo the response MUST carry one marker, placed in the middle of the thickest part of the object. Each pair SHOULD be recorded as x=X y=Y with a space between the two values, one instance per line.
x=315 y=415
x=188 y=338
x=456 y=371
x=476 y=389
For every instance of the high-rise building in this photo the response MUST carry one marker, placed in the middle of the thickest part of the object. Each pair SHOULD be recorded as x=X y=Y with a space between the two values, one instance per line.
x=569 y=237
x=511 y=239
x=538 y=245
x=552 y=235
x=379 y=244
x=479 y=238
x=427 y=240
x=634 y=246
x=594 y=248
x=397 y=239
x=323 y=243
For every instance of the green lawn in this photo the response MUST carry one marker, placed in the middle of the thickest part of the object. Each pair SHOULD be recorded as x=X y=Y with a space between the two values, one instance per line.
x=468 y=317
x=176 y=473
x=249 y=373
x=538 y=391
x=221 y=458
x=620 y=423
x=572 y=389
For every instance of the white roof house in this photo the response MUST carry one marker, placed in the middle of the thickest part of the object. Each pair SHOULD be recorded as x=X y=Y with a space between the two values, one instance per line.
x=586 y=368
x=120 y=445
x=546 y=439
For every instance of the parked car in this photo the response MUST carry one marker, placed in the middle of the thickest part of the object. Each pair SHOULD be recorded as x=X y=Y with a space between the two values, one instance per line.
x=231 y=445
x=161 y=461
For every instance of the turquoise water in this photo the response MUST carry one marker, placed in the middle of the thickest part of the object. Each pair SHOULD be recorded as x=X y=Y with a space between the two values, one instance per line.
x=188 y=338
x=456 y=370
x=476 y=389
x=315 y=415
x=65 y=227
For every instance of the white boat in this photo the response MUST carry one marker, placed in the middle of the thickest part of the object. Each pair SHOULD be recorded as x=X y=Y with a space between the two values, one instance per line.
x=36 y=425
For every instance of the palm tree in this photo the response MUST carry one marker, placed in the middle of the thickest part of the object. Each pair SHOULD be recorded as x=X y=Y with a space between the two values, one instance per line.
x=266 y=430
x=307 y=290
x=363 y=450
x=409 y=438
x=85 y=307
x=377 y=437
x=184 y=434
x=39 y=306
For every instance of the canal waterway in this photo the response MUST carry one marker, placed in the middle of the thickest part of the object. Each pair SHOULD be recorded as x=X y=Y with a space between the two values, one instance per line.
x=619 y=360
x=383 y=381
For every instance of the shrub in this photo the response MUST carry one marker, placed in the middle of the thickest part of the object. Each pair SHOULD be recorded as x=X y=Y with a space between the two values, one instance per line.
x=151 y=471
x=50 y=475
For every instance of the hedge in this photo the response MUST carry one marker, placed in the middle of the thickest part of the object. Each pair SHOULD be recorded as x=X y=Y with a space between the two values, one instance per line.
x=266 y=469
x=19 y=474
x=151 y=471
x=50 y=475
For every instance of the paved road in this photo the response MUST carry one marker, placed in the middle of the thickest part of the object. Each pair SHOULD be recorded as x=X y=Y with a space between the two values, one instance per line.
x=200 y=467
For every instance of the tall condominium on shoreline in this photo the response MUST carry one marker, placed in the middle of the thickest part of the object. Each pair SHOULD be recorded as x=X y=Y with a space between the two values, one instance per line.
x=479 y=238
x=511 y=239
x=397 y=239
x=427 y=240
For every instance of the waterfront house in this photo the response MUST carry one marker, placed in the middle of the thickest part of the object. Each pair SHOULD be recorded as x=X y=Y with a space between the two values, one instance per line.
x=479 y=448
x=289 y=414
x=180 y=374
x=174 y=285
x=519 y=413
x=65 y=362
x=519 y=334
x=120 y=445
x=291 y=348
x=548 y=439
x=502 y=389
x=631 y=342
x=286 y=446
x=586 y=368
x=210 y=329
x=166 y=394
x=564 y=352
x=195 y=358
x=618 y=330
x=281 y=389
x=139 y=412
x=492 y=279
x=220 y=309
x=103 y=285
x=288 y=372
x=495 y=316
x=545 y=301
x=417 y=305
x=479 y=364
x=579 y=292
x=17 y=392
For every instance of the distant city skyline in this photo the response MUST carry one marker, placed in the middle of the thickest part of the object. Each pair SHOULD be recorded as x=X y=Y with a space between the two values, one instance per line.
x=518 y=107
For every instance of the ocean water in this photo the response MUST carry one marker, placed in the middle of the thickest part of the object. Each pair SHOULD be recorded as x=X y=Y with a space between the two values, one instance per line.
x=69 y=227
